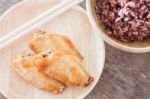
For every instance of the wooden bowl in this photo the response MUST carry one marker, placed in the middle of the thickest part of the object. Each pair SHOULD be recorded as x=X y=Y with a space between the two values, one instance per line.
x=135 y=47
x=73 y=23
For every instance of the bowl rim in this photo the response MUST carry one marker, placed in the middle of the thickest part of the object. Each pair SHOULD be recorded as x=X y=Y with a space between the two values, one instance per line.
x=107 y=39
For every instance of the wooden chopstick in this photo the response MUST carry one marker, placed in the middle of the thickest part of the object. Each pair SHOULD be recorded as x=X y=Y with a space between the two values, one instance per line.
x=36 y=22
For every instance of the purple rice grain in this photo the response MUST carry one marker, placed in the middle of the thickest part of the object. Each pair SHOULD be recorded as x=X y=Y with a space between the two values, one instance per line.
x=126 y=20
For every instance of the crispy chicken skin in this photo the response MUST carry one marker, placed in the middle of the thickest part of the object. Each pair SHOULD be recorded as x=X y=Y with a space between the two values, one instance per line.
x=55 y=65
x=42 y=40
x=63 y=67
x=25 y=66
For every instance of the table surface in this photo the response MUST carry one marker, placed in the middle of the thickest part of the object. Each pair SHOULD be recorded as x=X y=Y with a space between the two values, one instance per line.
x=125 y=75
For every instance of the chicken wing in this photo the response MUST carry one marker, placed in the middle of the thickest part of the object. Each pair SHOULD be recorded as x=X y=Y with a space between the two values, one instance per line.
x=25 y=66
x=42 y=41
x=63 y=67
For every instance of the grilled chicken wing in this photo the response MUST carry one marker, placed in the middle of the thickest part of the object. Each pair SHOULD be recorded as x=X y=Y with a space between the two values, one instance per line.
x=42 y=41
x=63 y=67
x=25 y=66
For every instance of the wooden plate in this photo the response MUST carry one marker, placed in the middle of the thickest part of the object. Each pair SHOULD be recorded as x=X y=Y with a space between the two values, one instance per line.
x=73 y=23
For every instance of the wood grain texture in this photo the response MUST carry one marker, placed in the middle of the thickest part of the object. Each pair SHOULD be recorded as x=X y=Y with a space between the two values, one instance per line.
x=125 y=76
x=5 y=5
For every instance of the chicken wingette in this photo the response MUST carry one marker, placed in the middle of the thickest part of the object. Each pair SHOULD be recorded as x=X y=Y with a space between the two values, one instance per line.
x=42 y=41
x=24 y=65
x=64 y=67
